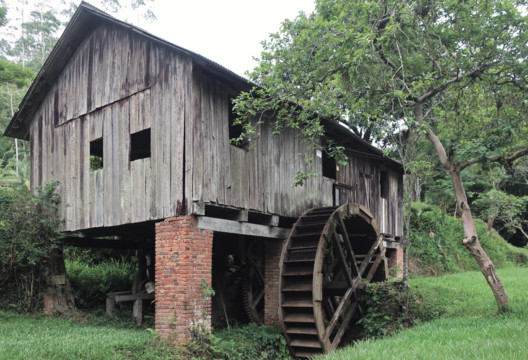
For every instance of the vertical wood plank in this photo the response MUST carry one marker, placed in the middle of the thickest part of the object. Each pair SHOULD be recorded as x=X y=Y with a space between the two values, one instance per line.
x=125 y=192
x=176 y=145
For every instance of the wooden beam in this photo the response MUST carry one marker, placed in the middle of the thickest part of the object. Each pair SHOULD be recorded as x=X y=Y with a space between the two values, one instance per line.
x=96 y=243
x=242 y=228
x=392 y=245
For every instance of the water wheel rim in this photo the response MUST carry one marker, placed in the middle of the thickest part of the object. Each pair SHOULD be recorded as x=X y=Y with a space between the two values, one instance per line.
x=253 y=286
x=329 y=329
x=333 y=216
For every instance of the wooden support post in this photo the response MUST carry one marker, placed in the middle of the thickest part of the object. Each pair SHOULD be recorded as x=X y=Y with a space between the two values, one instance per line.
x=110 y=305
x=137 y=312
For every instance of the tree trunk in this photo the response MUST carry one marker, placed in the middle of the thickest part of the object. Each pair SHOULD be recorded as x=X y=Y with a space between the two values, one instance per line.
x=491 y=221
x=472 y=243
x=58 y=298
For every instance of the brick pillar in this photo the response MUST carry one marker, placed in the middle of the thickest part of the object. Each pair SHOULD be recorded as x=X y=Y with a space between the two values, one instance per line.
x=273 y=249
x=395 y=259
x=183 y=263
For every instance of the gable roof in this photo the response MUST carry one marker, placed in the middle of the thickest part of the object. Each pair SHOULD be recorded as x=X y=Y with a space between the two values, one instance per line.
x=85 y=19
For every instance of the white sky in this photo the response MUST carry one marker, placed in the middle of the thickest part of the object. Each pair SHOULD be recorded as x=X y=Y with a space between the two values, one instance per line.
x=228 y=32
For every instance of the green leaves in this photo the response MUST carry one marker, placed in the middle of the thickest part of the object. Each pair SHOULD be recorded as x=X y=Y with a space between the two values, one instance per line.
x=14 y=74
x=29 y=234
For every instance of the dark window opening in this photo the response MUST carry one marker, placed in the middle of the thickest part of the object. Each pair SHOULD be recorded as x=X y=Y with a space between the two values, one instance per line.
x=384 y=184
x=329 y=166
x=96 y=154
x=140 y=145
x=235 y=130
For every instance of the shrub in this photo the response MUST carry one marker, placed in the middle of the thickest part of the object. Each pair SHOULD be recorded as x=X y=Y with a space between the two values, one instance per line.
x=91 y=281
x=386 y=311
x=436 y=244
x=29 y=236
x=249 y=342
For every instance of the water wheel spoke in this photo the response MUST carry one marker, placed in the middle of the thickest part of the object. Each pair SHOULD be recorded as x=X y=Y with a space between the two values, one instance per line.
x=339 y=314
x=329 y=270
x=341 y=256
x=368 y=257
x=375 y=265
x=257 y=299
x=346 y=320
x=348 y=245
x=259 y=277
x=335 y=287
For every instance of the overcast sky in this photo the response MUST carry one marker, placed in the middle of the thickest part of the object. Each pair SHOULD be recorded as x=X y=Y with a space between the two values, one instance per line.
x=228 y=32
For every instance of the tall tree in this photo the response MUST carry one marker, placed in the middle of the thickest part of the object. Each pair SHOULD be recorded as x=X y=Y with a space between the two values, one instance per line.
x=141 y=8
x=40 y=33
x=452 y=70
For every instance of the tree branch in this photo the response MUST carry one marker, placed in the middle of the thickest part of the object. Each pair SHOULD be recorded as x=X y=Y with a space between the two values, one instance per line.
x=446 y=84
x=495 y=158
x=439 y=147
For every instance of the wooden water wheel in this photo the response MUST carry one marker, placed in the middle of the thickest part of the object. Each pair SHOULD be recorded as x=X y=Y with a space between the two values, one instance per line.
x=253 y=282
x=328 y=255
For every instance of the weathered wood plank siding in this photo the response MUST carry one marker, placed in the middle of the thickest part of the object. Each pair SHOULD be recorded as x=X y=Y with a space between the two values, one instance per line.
x=114 y=85
x=260 y=178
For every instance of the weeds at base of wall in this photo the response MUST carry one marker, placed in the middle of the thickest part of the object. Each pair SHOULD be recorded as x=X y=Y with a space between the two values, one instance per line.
x=247 y=342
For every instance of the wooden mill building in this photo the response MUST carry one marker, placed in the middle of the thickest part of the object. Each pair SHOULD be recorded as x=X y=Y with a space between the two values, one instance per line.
x=137 y=130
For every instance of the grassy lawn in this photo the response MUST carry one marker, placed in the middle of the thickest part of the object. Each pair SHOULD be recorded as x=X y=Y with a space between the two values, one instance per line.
x=469 y=328
x=39 y=337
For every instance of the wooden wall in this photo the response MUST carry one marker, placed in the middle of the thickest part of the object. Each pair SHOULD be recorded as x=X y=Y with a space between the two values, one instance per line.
x=117 y=83
x=261 y=178
x=258 y=179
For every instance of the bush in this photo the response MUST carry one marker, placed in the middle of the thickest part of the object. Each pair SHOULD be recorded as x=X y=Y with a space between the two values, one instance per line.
x=29 y=236
x=435 y=244
x=249 y=342
x=91 y=281
x=387 y=310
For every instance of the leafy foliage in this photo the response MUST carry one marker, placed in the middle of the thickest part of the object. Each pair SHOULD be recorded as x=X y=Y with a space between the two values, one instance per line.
x=251 y=341
x=11 y=73
x=436 y=244
x=28 y=236
x=92 y=281
x=386 y=309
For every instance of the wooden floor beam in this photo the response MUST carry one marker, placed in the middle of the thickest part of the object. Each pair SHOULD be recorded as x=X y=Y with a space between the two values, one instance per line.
x=241 y=228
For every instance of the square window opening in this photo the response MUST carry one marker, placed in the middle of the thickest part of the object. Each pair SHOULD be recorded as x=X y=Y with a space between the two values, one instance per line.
x=329 y=166
x=235 y=130
x=140 y=145
x=96 y=154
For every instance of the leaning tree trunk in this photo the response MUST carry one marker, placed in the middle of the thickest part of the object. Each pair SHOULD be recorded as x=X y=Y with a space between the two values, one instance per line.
x=472 y=243
x=471 y=240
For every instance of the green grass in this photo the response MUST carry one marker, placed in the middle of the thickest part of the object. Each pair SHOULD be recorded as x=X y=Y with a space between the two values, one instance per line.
x=470 y=326
x=38 y=337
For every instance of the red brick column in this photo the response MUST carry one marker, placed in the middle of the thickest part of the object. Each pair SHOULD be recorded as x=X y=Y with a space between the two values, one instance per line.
x=273 y=250
x=183 y=263
x=395 y=258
